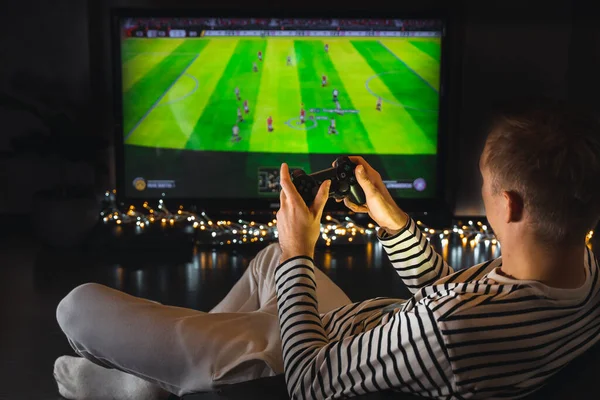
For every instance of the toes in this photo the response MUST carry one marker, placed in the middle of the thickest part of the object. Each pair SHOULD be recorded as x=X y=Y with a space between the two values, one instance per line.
x=64 y=392
x=63 y=376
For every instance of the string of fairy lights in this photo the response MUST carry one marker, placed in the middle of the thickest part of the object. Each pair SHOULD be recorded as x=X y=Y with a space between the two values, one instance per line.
x=334 y=229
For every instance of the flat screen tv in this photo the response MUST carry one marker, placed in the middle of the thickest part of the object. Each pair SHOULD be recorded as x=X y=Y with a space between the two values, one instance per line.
x=209 y=107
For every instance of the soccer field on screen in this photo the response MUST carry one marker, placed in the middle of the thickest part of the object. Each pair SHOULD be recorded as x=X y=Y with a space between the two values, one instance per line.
x=180 y=94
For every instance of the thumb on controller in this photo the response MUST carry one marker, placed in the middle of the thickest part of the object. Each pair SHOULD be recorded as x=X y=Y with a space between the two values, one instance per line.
x=364 y=181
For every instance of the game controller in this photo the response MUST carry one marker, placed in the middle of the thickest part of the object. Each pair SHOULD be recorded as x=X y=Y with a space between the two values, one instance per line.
x=343 y=182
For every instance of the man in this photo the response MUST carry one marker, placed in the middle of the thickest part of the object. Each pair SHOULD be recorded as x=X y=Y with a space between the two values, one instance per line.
x=302 y=114
x=332 y=129
x=338 y=108
x=270 y=124
x=240 y=116
x=235 y=137
x=323 y=81
x=254 y=67
x=246 y=107
x=237 y=93
x=378 y=107
x=335 y=95
x=326 y=48
x=496 y=330
x=289 y=60
x=259 y=55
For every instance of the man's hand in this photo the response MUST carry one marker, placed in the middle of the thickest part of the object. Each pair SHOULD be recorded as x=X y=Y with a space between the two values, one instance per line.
x=380 y=204
x=298 y=225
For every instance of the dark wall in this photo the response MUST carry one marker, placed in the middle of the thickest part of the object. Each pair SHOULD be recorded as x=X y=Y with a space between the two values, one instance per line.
x=44 y=58
x=584 y=75
x=510 y=49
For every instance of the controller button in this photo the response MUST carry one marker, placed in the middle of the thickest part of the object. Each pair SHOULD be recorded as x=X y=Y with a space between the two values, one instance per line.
x=343 y=175
x=344 y=187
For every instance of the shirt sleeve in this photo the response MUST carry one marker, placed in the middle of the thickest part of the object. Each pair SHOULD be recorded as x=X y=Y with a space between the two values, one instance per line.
x=413 y=257
x=406 y=353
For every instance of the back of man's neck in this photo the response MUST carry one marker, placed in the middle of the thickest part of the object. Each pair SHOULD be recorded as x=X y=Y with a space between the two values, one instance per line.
x=561 y=269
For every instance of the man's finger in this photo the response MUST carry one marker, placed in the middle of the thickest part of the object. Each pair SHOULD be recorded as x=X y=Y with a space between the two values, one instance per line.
x=364 y=181
x=285 y=180
x=355 y=207
x=358 y=160
x=282 y=198
x=321 y=198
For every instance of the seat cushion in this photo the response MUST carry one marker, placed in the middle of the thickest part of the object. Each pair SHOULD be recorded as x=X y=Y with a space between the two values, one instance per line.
x=577 y=381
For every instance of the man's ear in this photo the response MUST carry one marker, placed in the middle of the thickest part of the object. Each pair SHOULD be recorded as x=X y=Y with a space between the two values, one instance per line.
x=513 y=206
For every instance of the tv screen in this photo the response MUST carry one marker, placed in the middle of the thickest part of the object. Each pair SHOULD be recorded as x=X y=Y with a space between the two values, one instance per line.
x=210 y=107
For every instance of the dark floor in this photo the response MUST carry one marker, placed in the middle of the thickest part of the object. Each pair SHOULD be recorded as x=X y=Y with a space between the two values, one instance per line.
x=33 y=279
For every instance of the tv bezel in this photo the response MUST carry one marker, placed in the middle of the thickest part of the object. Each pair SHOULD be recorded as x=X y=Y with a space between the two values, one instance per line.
x=440 y=203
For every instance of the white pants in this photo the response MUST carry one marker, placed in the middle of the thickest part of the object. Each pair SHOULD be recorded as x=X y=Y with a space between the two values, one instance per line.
x=184 y=350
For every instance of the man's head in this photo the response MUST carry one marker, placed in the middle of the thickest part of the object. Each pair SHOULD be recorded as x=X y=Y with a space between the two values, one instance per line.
x=541 y=174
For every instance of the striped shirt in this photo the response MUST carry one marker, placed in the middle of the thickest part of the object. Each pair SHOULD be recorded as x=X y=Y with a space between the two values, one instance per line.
x=472 y=334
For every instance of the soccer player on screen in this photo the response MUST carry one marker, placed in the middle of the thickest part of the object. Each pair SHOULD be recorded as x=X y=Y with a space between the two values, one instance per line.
x=378 y=104
x=260 y=56
x=235 y=136
x=326 y=48
x=332 y=129
x=289 y=60
x=335 y=95
x=237 y=93
x=324 y=81
x=246 y=108
x=302 y=114
x=240 y=116
x=254 y=67
x=338 y=108
x=270 y=124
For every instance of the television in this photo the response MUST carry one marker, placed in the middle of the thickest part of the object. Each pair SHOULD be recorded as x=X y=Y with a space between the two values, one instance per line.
x=209 y=106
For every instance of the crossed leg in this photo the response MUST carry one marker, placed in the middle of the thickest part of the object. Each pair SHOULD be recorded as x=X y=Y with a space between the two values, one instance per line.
x=179 y=350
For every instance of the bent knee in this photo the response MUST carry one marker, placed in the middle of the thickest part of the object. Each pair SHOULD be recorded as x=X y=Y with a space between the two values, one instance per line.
x=266 y=261
x=75 y=306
